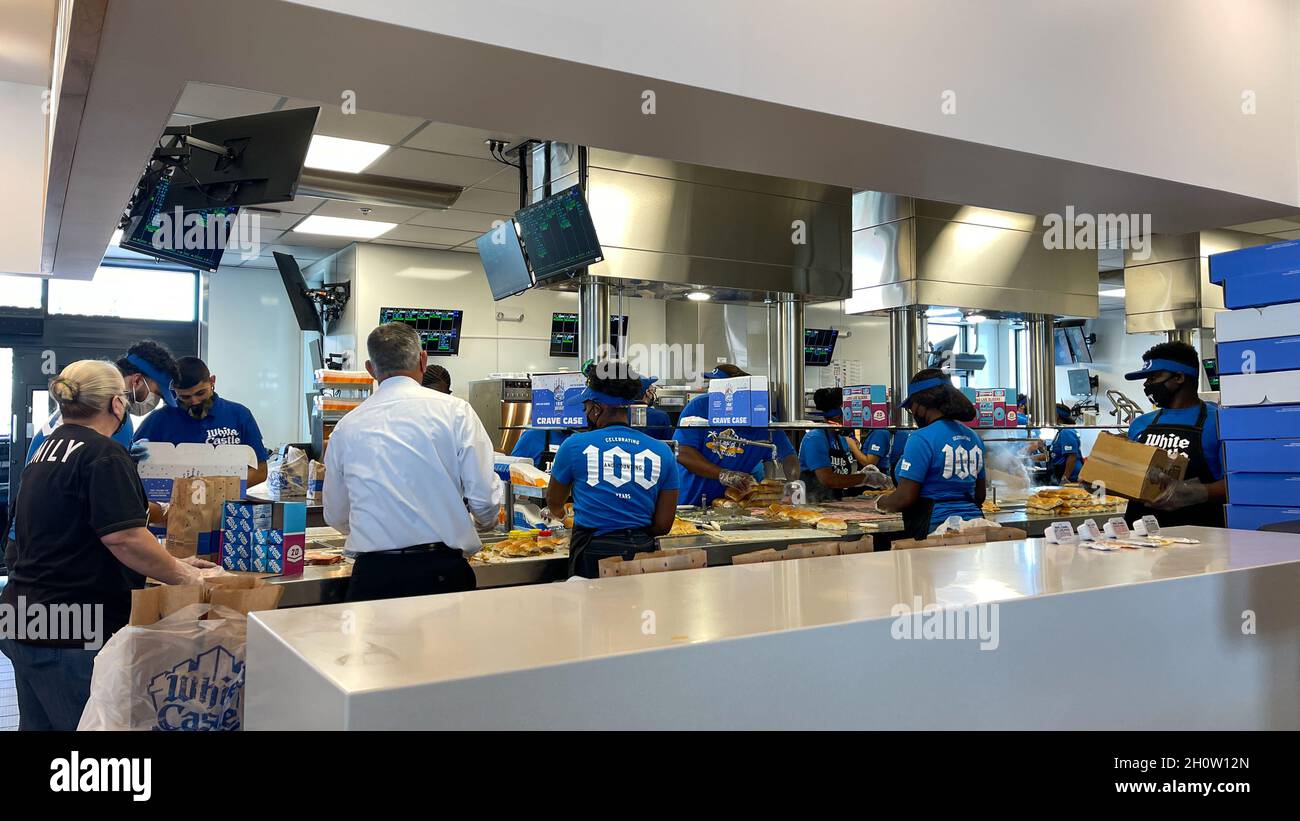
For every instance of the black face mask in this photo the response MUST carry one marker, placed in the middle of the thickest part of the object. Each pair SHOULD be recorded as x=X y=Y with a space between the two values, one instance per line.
x=1160 y=393
x=121 y=420
x=202 y=409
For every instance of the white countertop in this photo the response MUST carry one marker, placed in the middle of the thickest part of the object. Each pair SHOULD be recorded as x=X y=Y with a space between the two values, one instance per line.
x=398 y=643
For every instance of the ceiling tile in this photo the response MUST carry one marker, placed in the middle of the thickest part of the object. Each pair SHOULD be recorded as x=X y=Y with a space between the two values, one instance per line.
x=381 y=213
x=459 y=220
x=298 y=205
x=433 y=236
x=214 y=102
x=410 y=244
x=487 y=202
x=281 y=222
x=299 y=238
x=456 y=139
x=507 y=179
x=1287 y=235
x=370 y=126
x=408 y=163
x=1266 y=226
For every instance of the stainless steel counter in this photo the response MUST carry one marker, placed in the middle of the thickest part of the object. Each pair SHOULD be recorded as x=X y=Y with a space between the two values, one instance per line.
x=1081 y=639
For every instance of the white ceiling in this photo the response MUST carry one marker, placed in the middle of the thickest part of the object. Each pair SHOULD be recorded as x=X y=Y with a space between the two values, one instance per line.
x=27 y=41
x=423 y=150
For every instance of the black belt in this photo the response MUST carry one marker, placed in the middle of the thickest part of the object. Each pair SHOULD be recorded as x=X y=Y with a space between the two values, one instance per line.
x=432 y=547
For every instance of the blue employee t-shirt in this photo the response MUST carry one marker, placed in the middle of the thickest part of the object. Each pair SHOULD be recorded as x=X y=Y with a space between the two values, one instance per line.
x=727 y=456
x=122 y=437
x=228 y=423
x=658 y=424
x=532 y=444
x=616 y=474
x=1064 y=445
x=897 y=445
x=947 y=458
x=1188 y=416
x=815 y=449
x=880 y=444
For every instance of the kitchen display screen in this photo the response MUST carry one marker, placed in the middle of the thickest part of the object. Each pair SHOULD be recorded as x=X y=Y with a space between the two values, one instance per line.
x=439 y=328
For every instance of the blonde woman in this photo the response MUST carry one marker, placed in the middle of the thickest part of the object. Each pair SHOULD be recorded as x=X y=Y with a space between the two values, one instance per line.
x=80 y=514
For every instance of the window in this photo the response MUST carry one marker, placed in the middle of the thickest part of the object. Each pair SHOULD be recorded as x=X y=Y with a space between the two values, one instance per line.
x=128 y=293
x=20 y=292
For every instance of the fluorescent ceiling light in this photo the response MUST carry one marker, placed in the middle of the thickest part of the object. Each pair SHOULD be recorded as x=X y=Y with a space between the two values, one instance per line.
x=343 y=227
x=338 y=154
x=697 y=296
x=976 y=319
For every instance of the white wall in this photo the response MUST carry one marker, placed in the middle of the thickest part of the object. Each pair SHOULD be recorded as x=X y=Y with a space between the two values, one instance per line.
x=22 y=167
x=255 y=350
x=400 y=277
x=865 y=351
x=1033 y=76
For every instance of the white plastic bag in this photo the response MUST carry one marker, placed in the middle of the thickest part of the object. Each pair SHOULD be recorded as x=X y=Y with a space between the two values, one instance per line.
x=956 y=524
x=286 y=475
x=183 y=672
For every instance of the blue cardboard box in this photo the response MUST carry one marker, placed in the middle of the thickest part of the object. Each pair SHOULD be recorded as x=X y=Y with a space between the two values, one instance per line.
x=1260 y=355
x=265 y=537
x=1253 y=517
x=1274 y=258
x=742 y=400
x=1255 y=290
x=1261 y=422
x=1270 y=489
x=1262 y=456
x=555 y=400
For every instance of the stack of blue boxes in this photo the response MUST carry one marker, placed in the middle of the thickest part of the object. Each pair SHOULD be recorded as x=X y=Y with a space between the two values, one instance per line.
x=1259 y=367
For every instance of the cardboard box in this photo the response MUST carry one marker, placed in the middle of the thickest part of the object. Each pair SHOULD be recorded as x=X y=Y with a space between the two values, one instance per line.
x=555 y=400
x=1257 y=323
x=1244 y=389
x=1267 y=489
x=194 y=520
x=1260 y=422
x=1262 y=456
x=659 y=561
x=866 y=406
x=974 y=536
x=168 y=462
x=1253 y=517
x=742 y=401
x=264 y=537
x=1275 y=258
x=994 y=407
x=1125 y=467
x=1279 y=353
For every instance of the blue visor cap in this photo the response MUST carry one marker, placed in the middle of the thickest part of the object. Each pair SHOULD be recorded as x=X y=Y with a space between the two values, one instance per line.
x=924 y=385
x=833 y=413
x=164 y=381
x=1151 y=366
x=589 y=394
x=716 y=374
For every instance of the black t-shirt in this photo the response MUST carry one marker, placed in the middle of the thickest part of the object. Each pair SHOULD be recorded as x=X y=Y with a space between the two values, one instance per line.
x=78 y=487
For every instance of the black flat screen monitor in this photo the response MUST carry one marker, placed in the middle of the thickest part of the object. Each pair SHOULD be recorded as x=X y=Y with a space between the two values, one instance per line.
x=192 y=238
x=503 y=261
x=1072 y=347
x=819 y=346
x=304 y=310
x=564 y=334
x=1211 y=372
x=1080 y=382
x=558 y=234
x=439 y=328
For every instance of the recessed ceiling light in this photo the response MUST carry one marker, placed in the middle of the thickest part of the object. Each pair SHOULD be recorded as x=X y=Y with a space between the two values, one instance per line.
x=338 y=154
x=697 y=296
x=343 y=227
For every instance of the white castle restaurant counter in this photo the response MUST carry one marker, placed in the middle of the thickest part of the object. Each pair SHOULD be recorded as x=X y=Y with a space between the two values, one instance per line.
x=1203 y=636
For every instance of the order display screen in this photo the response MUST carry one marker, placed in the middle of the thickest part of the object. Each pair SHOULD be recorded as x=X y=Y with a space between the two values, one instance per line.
x=439 y=328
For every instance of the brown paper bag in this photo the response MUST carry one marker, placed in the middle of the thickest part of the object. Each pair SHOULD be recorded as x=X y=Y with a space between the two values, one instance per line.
x=243 y=594
x=196 y=510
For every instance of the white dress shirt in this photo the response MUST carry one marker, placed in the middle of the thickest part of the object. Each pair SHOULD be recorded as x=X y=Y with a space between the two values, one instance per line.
x=398 y=466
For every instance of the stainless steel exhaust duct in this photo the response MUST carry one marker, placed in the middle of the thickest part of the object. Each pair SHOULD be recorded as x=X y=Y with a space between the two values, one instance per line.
x=1169 y=288
x=374 y=189
x=1042 y=370
x=905 y=334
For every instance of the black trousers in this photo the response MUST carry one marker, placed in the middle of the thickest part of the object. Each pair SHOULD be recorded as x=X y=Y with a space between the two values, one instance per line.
x=586 y=549
x=415 y=571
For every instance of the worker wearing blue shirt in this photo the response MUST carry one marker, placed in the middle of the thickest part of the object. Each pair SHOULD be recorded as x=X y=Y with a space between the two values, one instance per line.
x=941 y=472
x=657 y=423
x=202 y=417
x=828 y=460
x=1066 y=452
x=540 y=446
x=897 y=444
x=623 y=481
x=877 y=449
x=1183 y=424
x=711 y=463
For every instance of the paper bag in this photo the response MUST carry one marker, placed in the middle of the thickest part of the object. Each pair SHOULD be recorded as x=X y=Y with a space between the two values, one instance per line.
x=315 y=482
x=194 y=521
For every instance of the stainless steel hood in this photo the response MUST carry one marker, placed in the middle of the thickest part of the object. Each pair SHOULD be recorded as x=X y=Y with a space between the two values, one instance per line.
x=1170 y=289
x=918 y=252
x=670 y=228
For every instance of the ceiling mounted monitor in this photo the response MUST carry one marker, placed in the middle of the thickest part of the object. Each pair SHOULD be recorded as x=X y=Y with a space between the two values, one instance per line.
x=503 y=261
x=558 y=234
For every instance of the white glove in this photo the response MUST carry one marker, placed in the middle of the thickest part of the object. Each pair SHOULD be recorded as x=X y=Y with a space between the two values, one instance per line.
x=874 y=478
x=736 y=479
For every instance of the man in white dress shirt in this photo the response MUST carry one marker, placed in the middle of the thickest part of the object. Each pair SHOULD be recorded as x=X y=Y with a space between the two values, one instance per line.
x=401 y=471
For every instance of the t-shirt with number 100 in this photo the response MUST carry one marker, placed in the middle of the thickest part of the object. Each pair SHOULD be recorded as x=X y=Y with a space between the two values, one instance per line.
x=947 y=458
x=617 y=474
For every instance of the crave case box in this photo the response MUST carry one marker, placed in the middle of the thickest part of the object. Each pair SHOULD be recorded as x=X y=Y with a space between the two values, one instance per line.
x=741 y=400
x=264 y=537
x=1131 y=469
x=866 y=406
x=555 y=400
x=168 y=462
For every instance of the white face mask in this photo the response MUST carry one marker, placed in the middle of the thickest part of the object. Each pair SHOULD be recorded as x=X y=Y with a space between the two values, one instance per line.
x=139 y=407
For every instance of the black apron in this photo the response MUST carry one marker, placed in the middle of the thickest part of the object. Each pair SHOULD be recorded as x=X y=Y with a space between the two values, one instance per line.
x=586 y=549
x=1206 y=514
x=817 y=492
x=548 y=455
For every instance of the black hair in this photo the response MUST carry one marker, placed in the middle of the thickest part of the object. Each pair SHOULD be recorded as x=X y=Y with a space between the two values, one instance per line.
x=1022 y=399
x=435 y=374
x=732 y=371
x=615 y=378
x=152 y=352
x=192 y=371
x=825 y=399
x=1179 y=352
x=946 y=399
